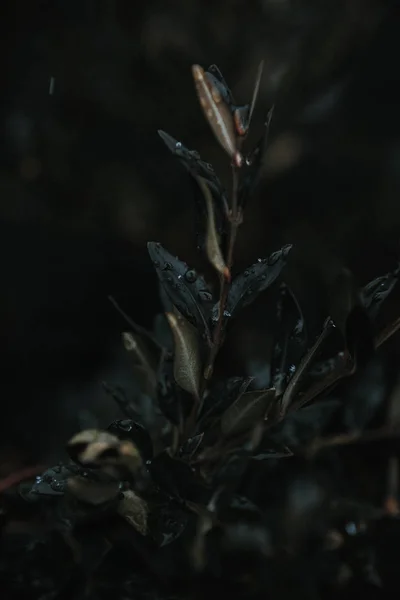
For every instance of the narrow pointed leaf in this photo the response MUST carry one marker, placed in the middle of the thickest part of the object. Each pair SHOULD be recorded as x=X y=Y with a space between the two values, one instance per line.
x=187 y=360
x=248 y=285
x=216 y=111
x=290 y=339
x=255 y=91
x=246 y=411
x=243 y=114
x=294 y=383
x=213 y=249
x=185 y=288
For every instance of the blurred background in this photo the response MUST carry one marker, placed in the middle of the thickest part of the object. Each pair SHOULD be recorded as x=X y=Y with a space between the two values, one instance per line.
x=85 y=181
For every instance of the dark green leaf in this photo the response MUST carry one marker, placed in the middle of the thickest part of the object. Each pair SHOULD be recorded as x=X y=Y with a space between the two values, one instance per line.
x=248 y=285
x=246 y=411
x=186 y=289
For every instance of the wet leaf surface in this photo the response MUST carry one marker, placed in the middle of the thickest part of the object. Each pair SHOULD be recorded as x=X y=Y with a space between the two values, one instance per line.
x=186 y=289
x=248 y=285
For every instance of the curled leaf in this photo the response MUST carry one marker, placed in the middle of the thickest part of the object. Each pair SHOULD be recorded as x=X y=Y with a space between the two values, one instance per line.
x=216 y=112
x=186 y=289
x=213 y=249
x=248 y=285
x=187 y=360
x=246 y=411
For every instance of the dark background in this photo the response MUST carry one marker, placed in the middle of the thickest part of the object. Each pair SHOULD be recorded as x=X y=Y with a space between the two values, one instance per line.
x=85 y=181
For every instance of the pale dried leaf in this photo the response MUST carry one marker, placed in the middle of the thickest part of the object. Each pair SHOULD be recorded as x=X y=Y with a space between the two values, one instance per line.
x=187 y=362
x=215 y=110
x=134 y=510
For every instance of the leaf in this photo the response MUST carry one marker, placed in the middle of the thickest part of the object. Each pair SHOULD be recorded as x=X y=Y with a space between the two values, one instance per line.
x=294 y=383
x=213 y=249
x=217 y=112
x=221 y=396
x=376 y=292
x=290 y=338
x=187 y=360
x=302 y=426
x=246 y=411
x=248 y=285
x=270 y=453
x=186 y=289
x=252 y=165
x=191 y=446
x=134 y=510
x=198 y=169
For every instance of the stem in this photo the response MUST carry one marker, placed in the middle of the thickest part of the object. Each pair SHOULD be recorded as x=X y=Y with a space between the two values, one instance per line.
x=235 y=218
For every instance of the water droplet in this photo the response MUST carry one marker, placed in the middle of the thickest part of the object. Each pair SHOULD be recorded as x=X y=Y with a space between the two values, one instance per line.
x=126 y=424
x=351 y=528
x=227 y=314
x=179 y=276
x=178 y=145
x=191 y=276
x=57 y=486
x=292 y=369
x=246 y=273
x=259 y=260
x=38 y=479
